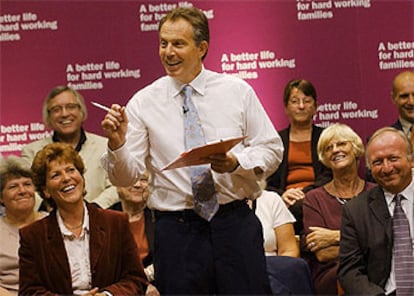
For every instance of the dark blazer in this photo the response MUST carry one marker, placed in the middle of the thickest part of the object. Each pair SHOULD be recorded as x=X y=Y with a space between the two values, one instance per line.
x=278 y=180
x=149 y=232
x=366 y=244
x=397 y=125
x=115 y=266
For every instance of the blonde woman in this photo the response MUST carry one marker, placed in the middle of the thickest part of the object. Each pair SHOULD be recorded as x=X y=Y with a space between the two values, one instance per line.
x=339 y=148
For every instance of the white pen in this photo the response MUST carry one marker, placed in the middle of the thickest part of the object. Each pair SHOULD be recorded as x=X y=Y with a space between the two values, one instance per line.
x=107 y=109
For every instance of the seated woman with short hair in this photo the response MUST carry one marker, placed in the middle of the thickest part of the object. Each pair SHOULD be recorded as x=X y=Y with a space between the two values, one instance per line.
x=339 y=148
x=78 y=249
x=300 y=169
x=17 y=194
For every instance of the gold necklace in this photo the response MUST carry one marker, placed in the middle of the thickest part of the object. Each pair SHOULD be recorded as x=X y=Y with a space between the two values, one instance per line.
x=354 y=192
x=73 y=227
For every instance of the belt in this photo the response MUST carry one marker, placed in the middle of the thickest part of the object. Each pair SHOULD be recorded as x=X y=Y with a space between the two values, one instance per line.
x=182 y=215
x=228 y=207
x=189 y=214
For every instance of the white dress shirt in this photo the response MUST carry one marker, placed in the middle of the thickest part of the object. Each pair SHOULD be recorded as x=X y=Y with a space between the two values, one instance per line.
x=227 y=107
x=77 y=250
x=407 y=206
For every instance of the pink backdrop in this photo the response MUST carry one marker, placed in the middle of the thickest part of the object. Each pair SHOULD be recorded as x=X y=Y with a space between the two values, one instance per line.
x=349 y=49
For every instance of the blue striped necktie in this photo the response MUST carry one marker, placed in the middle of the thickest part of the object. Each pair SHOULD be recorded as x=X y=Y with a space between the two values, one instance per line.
x=403 y=251
x=204 y=193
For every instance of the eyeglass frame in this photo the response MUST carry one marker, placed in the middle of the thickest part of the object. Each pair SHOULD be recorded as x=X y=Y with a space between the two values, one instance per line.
x=56 y=110
x=338 y=144
x=305 y=101
x=55 y=92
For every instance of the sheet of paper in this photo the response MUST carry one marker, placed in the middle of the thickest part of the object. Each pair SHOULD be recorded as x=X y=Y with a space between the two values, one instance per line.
x=199 y=155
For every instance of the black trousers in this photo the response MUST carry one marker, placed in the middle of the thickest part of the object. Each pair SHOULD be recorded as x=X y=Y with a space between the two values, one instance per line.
x=223 y=256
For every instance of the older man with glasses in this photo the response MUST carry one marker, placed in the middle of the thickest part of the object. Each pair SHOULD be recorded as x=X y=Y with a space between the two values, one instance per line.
x=64 y=111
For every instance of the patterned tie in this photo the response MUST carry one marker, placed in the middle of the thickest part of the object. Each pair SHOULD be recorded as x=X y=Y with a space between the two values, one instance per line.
x=403 y=251
x=205 y=199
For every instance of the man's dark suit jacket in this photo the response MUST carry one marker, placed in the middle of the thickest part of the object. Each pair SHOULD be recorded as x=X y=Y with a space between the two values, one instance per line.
x=115 y=266
x=366 y=244
x=397 y=125
x=278 y=180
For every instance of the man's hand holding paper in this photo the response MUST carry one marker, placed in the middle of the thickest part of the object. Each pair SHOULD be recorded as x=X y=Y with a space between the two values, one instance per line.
x=223 y=163
x=217 y=153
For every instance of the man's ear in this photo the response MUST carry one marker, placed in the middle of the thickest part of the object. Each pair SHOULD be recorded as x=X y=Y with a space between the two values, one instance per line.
x=203 y=48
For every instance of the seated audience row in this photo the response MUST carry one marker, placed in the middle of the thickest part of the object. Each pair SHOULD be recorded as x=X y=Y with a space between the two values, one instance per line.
x=340 y=149
x=61 y=161
x=312 y=156
x=59 y=174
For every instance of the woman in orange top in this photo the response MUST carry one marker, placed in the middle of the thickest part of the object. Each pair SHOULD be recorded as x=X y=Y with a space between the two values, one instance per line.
x=300 y=169
x=133 y=202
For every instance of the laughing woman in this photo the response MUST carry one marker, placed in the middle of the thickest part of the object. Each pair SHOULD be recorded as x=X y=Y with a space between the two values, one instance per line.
x=78 y=249
x=339 y=148
x=17 y=195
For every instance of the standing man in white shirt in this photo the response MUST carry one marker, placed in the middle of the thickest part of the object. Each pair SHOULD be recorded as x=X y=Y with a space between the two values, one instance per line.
x=193 y=255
